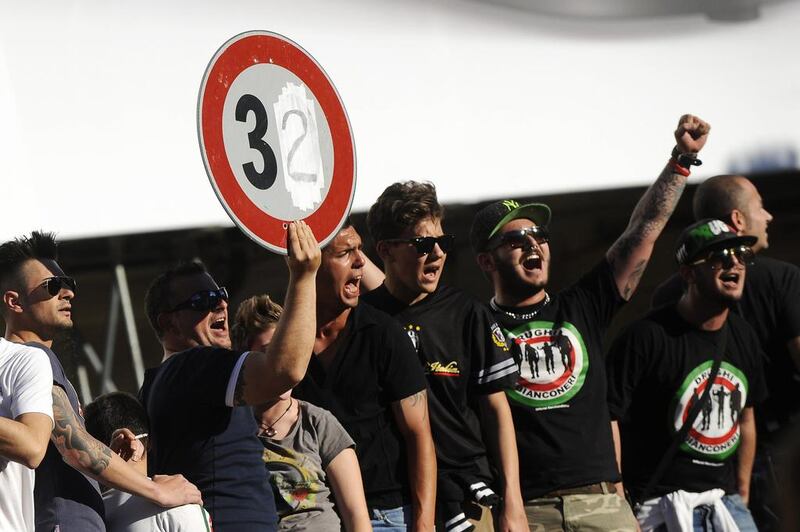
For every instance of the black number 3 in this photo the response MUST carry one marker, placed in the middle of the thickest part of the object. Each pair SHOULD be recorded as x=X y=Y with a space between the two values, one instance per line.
x=266 y=178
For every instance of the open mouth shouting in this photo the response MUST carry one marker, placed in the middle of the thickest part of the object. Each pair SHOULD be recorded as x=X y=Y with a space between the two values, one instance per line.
x=730 y=280
x=532 y=261
x=219 y=324
x=430 y=273
x=352 y=287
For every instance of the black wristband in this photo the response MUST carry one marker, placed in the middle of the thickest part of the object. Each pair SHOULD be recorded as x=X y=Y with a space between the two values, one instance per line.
x=686 y=160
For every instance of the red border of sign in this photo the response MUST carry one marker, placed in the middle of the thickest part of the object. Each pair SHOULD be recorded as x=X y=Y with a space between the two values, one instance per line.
x=237 y=54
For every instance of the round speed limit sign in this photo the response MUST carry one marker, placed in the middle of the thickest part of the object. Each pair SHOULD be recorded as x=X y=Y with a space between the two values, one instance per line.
x=275 y=139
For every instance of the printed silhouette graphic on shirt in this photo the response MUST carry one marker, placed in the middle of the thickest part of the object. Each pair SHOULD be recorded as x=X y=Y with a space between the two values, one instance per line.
x=552 y=363
x=715 y=433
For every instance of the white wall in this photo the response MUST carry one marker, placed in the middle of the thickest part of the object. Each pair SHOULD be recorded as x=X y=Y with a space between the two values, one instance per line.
x=98 y=100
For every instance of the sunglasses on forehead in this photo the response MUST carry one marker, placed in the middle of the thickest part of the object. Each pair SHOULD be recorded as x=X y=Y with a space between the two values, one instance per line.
x=203 y=301
x=425 y=244
x=53 y=285
x=519 y=238
x=723 y=258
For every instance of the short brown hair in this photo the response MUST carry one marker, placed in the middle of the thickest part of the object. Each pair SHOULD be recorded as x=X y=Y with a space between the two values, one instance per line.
x=402 y=205
x=253 y=316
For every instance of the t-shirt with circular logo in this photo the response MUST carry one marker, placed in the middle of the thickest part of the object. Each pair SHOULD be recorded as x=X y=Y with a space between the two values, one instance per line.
x=658 y=368
x=771 y=305
x=559 y=401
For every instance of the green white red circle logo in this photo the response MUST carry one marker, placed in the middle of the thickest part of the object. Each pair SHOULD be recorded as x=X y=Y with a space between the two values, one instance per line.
x=552 y=363
x=715 y=433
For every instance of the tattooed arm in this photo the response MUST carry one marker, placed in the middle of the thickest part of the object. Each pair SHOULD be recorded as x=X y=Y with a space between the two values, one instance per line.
x=411 y=414
x=81 y=451
x=629 y=255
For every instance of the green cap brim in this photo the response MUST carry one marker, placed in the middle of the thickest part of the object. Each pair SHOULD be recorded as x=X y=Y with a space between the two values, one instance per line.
x=538 y=213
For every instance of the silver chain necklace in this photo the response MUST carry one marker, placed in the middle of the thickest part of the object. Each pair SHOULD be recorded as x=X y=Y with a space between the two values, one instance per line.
x=527 y=315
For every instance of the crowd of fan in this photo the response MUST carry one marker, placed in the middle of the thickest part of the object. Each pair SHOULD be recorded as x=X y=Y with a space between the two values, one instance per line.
x=380 y=399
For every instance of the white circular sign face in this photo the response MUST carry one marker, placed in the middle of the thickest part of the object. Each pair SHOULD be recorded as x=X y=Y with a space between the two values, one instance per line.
x=275 y=139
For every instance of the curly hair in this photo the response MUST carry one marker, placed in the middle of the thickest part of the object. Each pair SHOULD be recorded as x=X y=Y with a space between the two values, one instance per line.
x=402 y=205
x=253 y=316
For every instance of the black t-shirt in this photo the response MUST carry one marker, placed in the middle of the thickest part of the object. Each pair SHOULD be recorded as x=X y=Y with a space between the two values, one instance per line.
x=464 y=354
x=64 y=496
x=657 y=368
x=373 y=368
x=771 y=305
x=214 y=446
x=559 y=403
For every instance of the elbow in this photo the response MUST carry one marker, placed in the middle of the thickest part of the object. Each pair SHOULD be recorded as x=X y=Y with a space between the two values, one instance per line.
x=33 y=458
x=294 y=377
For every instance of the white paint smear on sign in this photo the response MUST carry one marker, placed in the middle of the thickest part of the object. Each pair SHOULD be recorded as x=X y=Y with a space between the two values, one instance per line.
x=299 y=142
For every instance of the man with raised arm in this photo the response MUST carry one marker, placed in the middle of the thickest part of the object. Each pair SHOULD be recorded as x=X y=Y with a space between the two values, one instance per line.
x=197 y=398
x=566 y=453
x=37 y=305
x=364 y=370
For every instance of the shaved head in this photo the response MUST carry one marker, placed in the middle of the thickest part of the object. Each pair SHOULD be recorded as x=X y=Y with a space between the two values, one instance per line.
x=718 y=196
x=735 y=200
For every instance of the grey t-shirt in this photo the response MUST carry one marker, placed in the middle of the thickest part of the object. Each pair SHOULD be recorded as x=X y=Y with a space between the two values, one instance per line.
x=297 y=464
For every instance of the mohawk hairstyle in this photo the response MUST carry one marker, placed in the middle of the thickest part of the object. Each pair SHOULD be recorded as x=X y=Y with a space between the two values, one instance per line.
x=156 y=300
x=38 y=246
x=402 y=205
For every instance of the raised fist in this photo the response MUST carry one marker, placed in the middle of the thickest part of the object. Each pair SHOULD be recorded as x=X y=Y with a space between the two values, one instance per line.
x=691 y=134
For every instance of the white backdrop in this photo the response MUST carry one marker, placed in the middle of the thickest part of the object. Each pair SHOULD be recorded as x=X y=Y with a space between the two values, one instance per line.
x=98 y=100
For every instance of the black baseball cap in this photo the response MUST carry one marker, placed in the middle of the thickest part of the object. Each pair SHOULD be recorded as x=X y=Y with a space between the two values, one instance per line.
x=490 y=219
x=708 y=235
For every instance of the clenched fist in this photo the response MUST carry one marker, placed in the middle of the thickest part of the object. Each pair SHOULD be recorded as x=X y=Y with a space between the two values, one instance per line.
x=691 y=134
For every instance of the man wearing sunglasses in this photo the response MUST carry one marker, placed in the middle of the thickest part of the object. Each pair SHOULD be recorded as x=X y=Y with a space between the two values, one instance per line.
x=465 y=358
x=660 y=366
x=566 y=454
x=771 y=305
x=37 y=306
x=365 y=371
x=197 y=398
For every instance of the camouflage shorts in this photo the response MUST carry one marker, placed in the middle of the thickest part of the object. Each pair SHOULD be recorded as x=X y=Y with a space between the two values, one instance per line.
x=580 y=513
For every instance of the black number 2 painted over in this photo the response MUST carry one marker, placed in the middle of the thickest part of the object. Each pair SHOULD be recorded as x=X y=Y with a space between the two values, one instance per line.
x=265 y=178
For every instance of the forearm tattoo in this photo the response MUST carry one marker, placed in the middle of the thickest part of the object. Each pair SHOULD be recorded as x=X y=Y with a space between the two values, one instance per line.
x=646 y=223
x=77 y=446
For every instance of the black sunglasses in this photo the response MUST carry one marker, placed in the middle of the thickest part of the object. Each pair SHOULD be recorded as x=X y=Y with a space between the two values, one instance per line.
x=425 y=244
x=723 y=258
x=203 y=301
x=519 y=238
x=53 y=285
